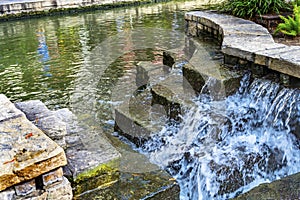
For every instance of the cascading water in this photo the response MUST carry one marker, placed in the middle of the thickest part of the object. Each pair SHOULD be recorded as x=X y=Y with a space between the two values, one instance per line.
x=226 y=147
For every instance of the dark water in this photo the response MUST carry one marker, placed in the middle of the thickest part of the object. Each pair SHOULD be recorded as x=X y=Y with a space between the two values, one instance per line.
x=61 y=59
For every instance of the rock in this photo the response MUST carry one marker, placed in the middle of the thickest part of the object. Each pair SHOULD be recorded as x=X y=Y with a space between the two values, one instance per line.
x=43 y=118
x=52 y=177
x=25 y=188
x=60 y=190
x=134 y=118
x=26 y=152
x=88 y=157
x=8 y=194
x=173 y=93
x=285 y=188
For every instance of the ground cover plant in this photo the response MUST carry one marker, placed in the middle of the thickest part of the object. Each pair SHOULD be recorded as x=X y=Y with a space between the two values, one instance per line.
x=252 y=8
x=291 y=24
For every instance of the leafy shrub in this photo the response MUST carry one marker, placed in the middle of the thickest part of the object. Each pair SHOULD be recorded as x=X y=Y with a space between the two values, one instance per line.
x=250 y=8
x=291 y=25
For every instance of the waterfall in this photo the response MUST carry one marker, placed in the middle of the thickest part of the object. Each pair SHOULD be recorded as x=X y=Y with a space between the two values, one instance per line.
x=226 y=147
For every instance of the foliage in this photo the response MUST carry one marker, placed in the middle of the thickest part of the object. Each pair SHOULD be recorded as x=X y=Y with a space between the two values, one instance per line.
x=250 y=8
x=291 y=25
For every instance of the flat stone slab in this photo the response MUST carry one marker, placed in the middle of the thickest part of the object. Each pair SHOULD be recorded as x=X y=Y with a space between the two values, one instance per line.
x=84 y=151
x=25 y=151
x=136 y=118
x=246 y=40
x=173 y=93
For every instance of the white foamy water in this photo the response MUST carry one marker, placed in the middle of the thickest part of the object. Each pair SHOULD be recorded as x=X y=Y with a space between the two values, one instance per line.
x=226 y=147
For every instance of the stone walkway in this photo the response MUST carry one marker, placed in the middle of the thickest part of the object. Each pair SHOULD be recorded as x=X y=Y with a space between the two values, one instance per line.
x=247 y=41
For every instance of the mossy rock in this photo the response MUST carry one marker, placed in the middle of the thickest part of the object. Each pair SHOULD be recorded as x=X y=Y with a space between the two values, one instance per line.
x=285 y=188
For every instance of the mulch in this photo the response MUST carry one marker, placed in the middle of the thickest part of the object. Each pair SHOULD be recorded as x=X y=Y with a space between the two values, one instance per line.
x=271 y=21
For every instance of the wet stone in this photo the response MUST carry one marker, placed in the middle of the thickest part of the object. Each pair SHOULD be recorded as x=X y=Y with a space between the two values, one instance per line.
x=60 y=190
x=8 y=194
x=173 y=93
x=86 y=149
x=52 y=177
x=285 y=188
x=149 y=73
x=26 y=151
x=25 y=188
x=135 y=118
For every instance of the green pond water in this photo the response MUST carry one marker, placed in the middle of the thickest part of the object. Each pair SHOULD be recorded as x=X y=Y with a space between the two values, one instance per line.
x=86 y=61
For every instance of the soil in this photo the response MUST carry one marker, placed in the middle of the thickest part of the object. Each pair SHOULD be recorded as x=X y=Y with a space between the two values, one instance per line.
x=271 y=25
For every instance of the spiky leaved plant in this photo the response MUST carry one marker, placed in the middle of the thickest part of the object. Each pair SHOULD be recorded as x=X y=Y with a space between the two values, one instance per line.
x=251 y=8
x=291 y=25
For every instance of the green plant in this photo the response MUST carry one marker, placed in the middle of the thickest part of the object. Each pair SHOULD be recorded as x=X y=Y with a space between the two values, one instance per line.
x=250 y=8
x=291 y=25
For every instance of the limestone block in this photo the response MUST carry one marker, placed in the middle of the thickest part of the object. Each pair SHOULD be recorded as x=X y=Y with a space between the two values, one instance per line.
x=33 y=109
x=43 y=118
x=25 y=188
x=135 y=118
x=8 y=194
x=26 y=152
x=87 y=149
x=52 y=176
x=285 y=188
x=61 y=190
x=148 y=73
x=173 y=93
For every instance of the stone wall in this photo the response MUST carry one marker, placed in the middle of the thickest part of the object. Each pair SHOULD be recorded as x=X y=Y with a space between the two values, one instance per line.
x=246 y=43
x=19 y=8
x=30 y=162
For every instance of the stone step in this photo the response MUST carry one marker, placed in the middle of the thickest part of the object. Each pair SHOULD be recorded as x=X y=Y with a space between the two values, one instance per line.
x=25 y=151
x=173 y=94
x=203 y=69
x=136 y=119
x=88 y=153
x=148 y=73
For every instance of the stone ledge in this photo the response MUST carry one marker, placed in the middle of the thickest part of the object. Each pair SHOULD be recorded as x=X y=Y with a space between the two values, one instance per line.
x=25 y=151
x=246 y=40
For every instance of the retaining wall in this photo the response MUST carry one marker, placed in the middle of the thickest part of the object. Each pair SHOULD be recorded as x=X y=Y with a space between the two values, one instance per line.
x=245 y=41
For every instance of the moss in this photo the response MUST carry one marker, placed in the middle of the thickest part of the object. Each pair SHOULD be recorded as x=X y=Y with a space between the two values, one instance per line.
x=107 y=168
x=102 y=176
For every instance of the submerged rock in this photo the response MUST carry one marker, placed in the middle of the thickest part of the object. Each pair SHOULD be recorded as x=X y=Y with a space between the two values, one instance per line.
x=285 y=188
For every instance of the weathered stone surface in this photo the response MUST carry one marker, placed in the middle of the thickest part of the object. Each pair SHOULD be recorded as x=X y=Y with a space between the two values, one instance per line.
x=8 y=194
x=149 y=73
x=285 y=188
x=26 y=152
x=173 y=93
x=84 y=154
x=61 y=190
x=25 y=188
x=44 y=119
x=246 y=40
x=136 y=118
x=52 y=177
